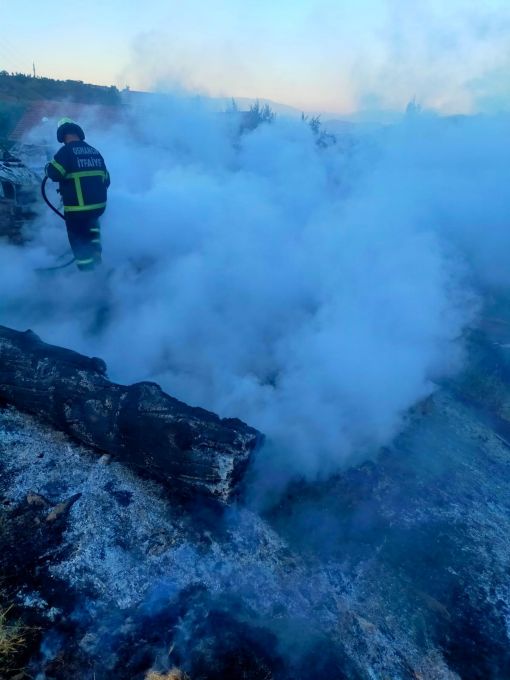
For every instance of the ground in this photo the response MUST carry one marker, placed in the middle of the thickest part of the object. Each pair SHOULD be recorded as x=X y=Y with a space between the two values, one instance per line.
x=397 y=568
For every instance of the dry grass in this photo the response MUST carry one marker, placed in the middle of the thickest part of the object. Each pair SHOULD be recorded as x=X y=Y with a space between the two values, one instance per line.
x=12 y=638
x=174 y=674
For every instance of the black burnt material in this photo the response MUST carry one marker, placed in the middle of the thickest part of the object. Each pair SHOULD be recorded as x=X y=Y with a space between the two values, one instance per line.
x=190 y=449
x=35 y=604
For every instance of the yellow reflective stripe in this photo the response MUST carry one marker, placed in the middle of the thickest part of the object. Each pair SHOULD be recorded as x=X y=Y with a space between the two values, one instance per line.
x=77 y=176
x=89 y=261
x=79 y=192
x=96 y=240
x=87 y=173
x=79 y=208
x=95 y=229
x=59 y=167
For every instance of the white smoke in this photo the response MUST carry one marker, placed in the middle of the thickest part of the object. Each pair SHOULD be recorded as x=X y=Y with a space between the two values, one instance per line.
x=315 y=293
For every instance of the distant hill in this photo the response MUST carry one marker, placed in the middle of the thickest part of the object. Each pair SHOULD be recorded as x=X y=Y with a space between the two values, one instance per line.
x=25 y=88
x=18 y=91
x=21 y=95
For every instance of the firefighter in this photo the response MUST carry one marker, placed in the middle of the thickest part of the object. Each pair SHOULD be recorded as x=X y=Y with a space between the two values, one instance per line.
x=83 y=178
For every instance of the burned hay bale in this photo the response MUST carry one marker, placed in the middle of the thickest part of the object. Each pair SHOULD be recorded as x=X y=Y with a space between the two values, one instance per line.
x=191 y=450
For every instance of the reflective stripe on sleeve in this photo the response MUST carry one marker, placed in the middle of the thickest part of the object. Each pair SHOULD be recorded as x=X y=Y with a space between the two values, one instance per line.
x=58 y=167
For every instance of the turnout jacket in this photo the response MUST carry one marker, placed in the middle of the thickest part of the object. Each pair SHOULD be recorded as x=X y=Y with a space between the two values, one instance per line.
x=81 y=171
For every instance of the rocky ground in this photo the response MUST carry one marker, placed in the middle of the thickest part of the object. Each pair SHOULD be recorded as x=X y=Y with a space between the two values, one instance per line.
x=398 y=568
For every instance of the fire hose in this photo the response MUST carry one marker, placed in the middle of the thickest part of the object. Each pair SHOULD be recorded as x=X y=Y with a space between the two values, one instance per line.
x=55 y=210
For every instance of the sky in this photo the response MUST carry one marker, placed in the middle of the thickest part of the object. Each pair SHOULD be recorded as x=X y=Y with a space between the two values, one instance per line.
x=316 y=55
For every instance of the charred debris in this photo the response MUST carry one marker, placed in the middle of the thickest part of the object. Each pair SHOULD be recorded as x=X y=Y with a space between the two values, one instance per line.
x=19 y=188
x=397 y=568
x=190 y=450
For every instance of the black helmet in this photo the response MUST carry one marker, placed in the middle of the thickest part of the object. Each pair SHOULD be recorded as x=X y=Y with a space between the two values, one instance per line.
x=66 y=126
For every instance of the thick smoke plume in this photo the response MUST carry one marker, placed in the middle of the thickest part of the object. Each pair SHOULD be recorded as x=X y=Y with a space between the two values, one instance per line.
x=317 y=293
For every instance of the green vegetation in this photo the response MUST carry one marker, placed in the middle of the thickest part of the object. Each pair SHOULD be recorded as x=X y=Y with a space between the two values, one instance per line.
x=256 y=116
x=323 y=138
x=27 y=88
x=18 y=91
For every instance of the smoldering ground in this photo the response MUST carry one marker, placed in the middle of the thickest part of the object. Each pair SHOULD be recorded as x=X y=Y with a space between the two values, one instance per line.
x=316 y=292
